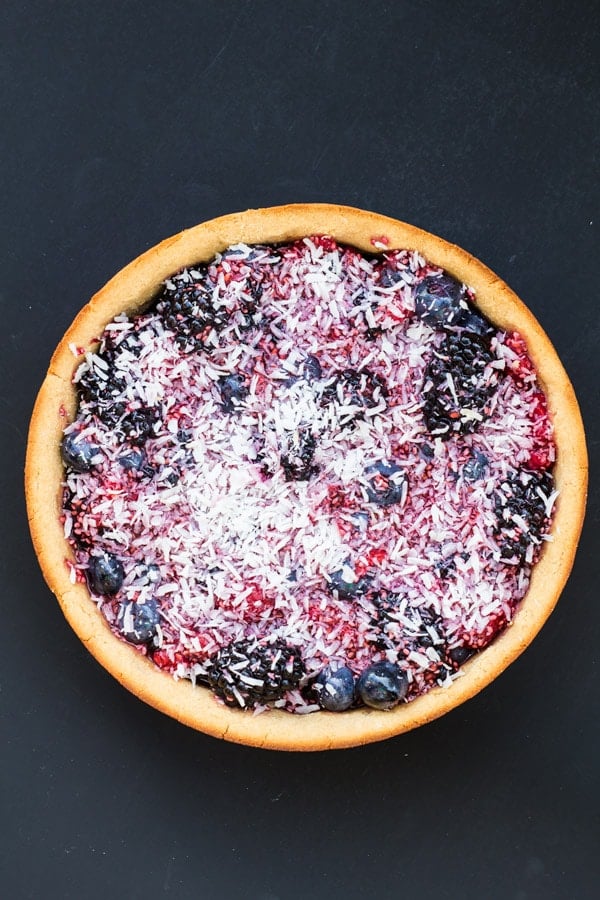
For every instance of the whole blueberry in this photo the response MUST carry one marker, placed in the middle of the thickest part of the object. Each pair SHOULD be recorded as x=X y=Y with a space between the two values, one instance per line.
x=347 y=589
x=78 y=452
x=475 y=467
x=132 y=461
x=385 y=483
x=438 y=300
x=233 y=390
x=382 y=685
x=334 y=688
x=138 y=621
x=104 y=574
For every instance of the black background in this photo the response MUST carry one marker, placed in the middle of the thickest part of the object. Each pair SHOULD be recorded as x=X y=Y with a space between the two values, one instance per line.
x=124 y=122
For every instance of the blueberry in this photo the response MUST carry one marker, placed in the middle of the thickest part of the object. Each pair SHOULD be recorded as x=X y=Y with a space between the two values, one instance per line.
x=476 y=467
x=233 y=390
x=104 y=574
x=385 y=483
x=460 y=655
x=138 y=621
x=347 y=589
x=312 y=369
x=382 y=686
x=438 y=300
x=77 y=452
x=132 y=461
x=389 y=276
x=334 y=688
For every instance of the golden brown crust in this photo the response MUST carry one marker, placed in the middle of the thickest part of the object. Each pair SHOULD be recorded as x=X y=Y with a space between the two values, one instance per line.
x=130 y=290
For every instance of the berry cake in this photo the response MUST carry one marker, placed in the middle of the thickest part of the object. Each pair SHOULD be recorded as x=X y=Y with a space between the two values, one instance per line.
x=318 y=476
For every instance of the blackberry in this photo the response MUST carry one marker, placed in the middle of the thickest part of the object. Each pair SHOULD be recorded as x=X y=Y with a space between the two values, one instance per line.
x=385 y=622
x=363 y=390
x=101 y=385
x=297 y=463
x=521 y=513
x=456 y=393
x=246 y=673
x=138 y=425
x=429 y=619
x=187 y=309
x=386 y=608
x=249 y=307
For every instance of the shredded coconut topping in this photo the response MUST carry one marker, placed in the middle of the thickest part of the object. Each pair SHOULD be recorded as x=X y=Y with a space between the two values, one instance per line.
x=262 y=469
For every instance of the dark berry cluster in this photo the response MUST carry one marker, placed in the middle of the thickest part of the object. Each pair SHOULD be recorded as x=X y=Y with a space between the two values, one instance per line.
x=520 y=507
x=457 y=389
x=248 y=673
x=101 y=386
x=187 y=309
x=362 y=390
x=138 y=425
x=297 y=462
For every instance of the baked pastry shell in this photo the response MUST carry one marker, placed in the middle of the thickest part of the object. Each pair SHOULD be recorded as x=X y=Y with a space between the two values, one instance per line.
x=130 y=291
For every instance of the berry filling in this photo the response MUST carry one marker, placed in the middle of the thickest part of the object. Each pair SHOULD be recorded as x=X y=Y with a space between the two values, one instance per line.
x=308 y=478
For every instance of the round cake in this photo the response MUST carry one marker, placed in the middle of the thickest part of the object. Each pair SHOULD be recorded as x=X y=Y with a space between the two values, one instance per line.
x=306 y=477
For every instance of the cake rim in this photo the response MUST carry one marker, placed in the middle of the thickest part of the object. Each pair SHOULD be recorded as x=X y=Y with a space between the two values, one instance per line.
x=130 y=290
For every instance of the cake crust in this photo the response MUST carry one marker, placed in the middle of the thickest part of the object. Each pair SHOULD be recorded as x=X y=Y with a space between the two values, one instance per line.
x=130 y=291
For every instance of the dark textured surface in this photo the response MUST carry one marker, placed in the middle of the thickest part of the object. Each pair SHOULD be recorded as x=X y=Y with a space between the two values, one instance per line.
x=125 y=122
